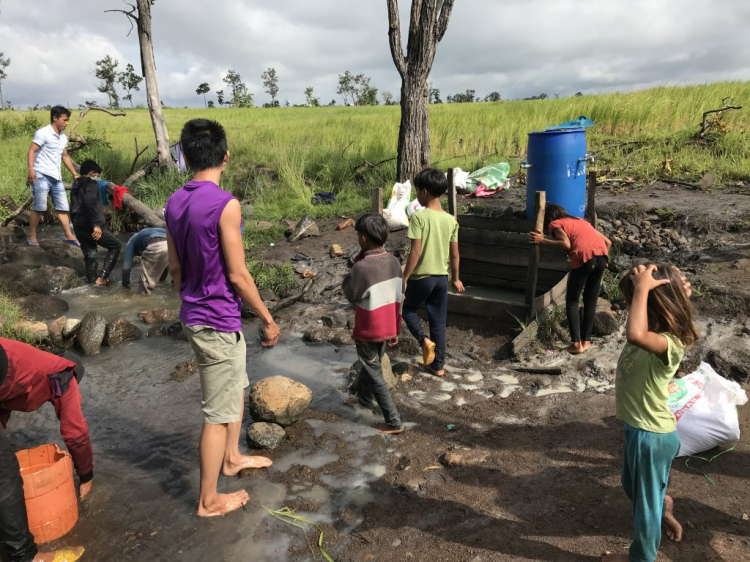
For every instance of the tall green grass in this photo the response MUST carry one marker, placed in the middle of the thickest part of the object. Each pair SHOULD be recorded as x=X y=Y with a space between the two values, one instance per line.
x=279 y=158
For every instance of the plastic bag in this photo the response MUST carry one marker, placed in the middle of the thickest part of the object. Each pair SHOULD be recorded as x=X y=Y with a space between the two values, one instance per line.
x=459 y=179
x=413 y=207
x=395 y=212
x=582 y=122
x=492 y=177
x=705 y=405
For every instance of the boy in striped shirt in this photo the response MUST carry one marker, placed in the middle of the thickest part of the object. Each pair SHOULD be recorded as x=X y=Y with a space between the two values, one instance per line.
x=374 y=284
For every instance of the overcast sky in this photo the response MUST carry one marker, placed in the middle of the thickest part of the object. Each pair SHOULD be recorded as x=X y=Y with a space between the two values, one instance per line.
x=516 y=47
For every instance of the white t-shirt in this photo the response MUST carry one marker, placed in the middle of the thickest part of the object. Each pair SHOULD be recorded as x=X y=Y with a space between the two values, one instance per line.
x=48 y=157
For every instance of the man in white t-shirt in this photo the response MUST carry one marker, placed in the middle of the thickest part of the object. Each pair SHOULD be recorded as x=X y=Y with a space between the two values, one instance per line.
x=47 y=149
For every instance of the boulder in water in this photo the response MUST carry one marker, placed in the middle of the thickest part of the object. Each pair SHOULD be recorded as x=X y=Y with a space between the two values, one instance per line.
x=121 y=331
x=304 y=228
x=72 y=325
x=279 y=400
x=262 y=435
x=390 y=379
x=56 y=338
x=91 y=333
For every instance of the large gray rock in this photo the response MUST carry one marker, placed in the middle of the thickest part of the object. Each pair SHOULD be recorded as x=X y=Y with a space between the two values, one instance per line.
x=9 y=236
x=56 y=338
x=264 y=435
x=390 y=379
x=71 y=328
x=279 y=400
x=91 y=333
x=55 y=253
x=304 y=228
x=51 y=280
x=606 y=321
x=320 y=334
x=42 y=307
x=121 y=331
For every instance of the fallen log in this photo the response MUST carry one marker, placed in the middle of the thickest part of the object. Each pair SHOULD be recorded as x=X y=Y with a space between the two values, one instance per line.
x=17 y=213
x=142 y=211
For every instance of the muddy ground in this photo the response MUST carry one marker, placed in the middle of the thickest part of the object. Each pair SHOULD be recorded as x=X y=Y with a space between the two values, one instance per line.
x=541 y=453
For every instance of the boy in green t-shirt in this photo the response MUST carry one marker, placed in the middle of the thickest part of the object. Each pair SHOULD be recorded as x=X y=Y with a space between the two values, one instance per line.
x=434 y=243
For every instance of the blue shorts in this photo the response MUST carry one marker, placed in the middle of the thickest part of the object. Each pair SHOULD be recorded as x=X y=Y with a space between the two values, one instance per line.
x=44 y=186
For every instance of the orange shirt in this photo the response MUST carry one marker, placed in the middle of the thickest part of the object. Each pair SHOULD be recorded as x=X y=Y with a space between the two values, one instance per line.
x=585 y=241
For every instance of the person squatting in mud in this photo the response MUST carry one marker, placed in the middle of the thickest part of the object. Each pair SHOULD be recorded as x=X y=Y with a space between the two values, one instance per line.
x=588 y=250
x=434 y=245
x=88 y=221
x=207 y=264
x=30 y=377
x=659 y=328
x=151 y=245
x=374 y=285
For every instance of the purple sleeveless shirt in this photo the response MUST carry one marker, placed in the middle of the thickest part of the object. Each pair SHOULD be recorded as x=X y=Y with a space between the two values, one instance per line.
x=192 y=214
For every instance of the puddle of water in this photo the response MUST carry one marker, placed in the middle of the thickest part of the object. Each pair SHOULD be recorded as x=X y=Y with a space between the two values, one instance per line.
x=509 y=420
x=486 y=394
x=580 y=386
x=304 y=457
x=469 y=386
x=553 y=390
x=506 y=379
x=460 y=401
x=418 y=394
x=508 y=390
x=441 y=397
x=475 y=377
x=448 y=387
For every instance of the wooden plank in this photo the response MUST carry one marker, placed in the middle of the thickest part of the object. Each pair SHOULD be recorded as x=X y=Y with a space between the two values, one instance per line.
x=508 y=272
x=511 y=256
x=377 y=200
x=502 y=240
x=494 y=223
x=484 y=326
x=540 y=202
x=485 y=308
x=470 y=279
x=591 y=199
x=553 y=296
x=452 y=193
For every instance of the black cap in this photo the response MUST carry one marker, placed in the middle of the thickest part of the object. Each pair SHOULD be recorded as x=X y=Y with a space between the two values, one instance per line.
x=3 y=364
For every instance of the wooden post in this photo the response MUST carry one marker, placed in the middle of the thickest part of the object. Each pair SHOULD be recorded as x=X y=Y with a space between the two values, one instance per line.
x=591 y=199
x=540 y=202
x=452 y=193
x=377 y=200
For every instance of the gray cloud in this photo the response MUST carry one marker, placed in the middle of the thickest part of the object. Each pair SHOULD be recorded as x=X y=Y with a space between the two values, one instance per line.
x=516 y=47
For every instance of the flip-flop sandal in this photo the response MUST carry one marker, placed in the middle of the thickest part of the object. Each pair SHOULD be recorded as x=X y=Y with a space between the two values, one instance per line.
x=382 y=428
x=32 y=242
x=436 y=373
x=74 y=242
x=428 y=354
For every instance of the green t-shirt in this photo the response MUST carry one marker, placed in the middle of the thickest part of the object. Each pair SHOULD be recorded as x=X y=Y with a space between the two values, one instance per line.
x=641 y=387
x=436 y=230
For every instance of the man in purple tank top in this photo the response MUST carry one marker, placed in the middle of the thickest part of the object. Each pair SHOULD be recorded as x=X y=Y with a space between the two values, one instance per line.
x=207 y=263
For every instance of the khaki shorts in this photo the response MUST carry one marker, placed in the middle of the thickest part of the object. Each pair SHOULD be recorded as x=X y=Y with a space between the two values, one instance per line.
x=222 y=369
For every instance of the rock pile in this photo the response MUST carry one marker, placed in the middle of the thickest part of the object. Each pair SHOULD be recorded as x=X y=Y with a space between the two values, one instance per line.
x=647 y=236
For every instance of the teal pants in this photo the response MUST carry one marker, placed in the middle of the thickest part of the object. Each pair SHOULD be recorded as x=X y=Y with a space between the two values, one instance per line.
x=645 y=473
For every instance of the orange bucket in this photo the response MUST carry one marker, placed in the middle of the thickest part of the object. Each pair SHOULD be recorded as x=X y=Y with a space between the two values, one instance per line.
x=51 y=502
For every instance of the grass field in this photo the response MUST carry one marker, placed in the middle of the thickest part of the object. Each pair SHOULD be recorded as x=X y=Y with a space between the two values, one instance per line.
x=281 y=157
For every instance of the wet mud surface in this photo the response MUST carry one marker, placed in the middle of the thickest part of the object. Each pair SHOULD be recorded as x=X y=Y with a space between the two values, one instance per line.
x=542 y=482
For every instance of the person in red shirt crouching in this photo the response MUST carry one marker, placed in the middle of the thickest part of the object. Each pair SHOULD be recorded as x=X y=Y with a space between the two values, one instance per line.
x=30 y=377
x=588 y=250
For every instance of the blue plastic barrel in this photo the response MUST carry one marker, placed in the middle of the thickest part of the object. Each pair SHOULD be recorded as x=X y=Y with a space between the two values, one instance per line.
x=557 y=164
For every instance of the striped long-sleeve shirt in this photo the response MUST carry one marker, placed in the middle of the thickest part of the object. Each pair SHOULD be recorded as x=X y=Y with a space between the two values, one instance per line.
x=375 y=285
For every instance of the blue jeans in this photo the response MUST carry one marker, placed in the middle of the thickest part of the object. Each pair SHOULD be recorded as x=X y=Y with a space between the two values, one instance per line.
x=433 y=292
x=371 y=384
x=44 y=186
x=645 y=474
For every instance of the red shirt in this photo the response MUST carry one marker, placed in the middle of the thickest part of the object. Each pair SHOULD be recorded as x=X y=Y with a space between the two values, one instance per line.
x=585 y=240
x=27 y=387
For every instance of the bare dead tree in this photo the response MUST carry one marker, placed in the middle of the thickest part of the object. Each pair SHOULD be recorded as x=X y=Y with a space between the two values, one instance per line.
x=725 y=107
x=140 y=16
x=427 y=26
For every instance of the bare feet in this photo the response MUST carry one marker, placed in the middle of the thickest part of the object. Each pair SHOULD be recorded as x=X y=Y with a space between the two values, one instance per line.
x=221 y=504
x=610 y=557
x=102 y=281
x=383 y=428
x=85 y=489
x=428 y=352
x=671 y=525
x=232 y=467
x=586 y=345
x=575 y=348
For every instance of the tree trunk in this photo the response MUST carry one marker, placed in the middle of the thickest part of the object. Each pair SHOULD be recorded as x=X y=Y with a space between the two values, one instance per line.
x=414 y=131
x=148 y=65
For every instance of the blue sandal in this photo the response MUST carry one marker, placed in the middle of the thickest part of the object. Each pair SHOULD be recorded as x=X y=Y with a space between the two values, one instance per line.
x=75 y=242
x=30 y=242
